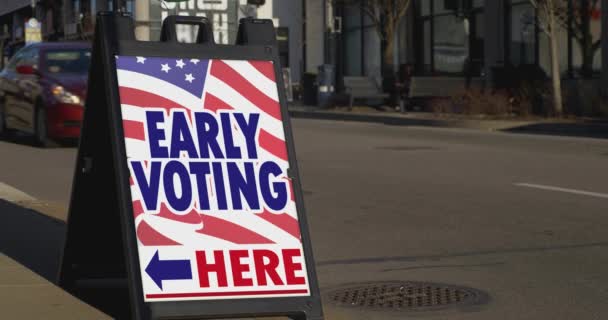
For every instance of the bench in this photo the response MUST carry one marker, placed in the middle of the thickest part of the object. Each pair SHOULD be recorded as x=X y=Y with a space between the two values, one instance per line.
x=423 y=89
x=362 y=88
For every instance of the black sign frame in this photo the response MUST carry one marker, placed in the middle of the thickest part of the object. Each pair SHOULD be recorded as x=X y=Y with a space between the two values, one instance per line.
x=101 y=254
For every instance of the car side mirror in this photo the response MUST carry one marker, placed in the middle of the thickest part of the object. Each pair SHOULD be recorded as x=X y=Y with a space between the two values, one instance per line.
x=26 y=69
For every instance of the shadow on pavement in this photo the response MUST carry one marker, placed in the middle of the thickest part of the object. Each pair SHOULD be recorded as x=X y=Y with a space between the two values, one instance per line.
x=28 y=140
x=36 y=241
x=32 y=239
x=582 y=129
x=465 y=254
x=586 y=129
x=360 y=117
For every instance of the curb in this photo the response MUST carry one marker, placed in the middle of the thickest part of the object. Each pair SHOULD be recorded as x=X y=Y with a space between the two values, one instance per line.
x=404 y=120
x=587 y=129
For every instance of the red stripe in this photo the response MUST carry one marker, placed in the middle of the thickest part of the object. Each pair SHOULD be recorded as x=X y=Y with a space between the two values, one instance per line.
x=145 y=99
x=267 y=141
x=224 y=294
x=264 y=67
x=191 y=217
x=134 y=129
x=226 y=230
x=213 y=103
x=150 y=237
x=283 y=221
x=272 y=144
x=292 y=195
x=137 y=208
x=222 y=71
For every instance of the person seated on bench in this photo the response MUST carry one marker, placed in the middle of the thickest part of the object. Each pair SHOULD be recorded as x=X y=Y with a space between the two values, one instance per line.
x=404 y=81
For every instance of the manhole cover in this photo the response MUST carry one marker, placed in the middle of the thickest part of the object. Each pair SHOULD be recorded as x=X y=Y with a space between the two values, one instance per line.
x=406 y=296
x=406 y=148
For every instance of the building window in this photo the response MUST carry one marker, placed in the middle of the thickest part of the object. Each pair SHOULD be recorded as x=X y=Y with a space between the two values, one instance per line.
x=452 y=37
x=578 y=38
x=450 y=44
x=129 y=5
x=424 y=7
x=427 y=62
x=352 y=21
x=362 y=48
x=523 y=33
x=586 y=32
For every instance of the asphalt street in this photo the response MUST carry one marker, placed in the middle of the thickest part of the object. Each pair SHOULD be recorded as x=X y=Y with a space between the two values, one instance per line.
x=522 y=218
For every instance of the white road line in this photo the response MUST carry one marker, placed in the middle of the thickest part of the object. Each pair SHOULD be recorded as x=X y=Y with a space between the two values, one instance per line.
x=573 y=191
x=12 y=194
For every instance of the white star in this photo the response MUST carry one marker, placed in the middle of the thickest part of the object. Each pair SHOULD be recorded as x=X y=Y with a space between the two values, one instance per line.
x=180 y=64
x=141 y=60
x=189 y=77
x=195 y=61
x=165 y=67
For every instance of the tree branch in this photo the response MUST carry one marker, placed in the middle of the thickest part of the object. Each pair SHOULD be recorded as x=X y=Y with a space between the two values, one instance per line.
x=405 y=4
x=370 y=11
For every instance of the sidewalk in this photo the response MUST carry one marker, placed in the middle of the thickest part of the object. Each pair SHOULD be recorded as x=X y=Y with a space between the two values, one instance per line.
x=31 y=240
x=593 y=128
x=26 y=294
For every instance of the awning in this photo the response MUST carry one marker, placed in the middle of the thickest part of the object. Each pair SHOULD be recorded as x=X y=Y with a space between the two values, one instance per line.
x=9 y=6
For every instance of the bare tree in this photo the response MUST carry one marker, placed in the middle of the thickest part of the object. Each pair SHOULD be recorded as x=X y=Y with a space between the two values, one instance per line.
x=392 y=11
x=386 y=16
x=548 y=19
x=580 y=14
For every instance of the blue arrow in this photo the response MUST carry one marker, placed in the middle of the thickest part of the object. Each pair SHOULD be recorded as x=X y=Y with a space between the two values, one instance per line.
x=160 y=270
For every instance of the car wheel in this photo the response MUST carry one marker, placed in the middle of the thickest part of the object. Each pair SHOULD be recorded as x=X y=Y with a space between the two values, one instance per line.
x=41 y=129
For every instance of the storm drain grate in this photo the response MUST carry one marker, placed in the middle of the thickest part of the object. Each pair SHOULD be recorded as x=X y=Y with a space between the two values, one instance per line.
x=406 y=296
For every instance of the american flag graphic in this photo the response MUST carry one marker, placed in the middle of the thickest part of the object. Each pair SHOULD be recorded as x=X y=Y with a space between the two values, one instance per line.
x=216 y=86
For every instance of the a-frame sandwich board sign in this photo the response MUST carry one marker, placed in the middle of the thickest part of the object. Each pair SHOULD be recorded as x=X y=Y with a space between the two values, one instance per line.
x=186 y=193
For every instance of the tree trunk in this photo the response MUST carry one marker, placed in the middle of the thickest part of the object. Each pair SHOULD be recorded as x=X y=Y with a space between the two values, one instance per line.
x=587 y=54
x=389 y=41
x=388 y=53
x=555 y=72
x=586 y=42
x=388 y=68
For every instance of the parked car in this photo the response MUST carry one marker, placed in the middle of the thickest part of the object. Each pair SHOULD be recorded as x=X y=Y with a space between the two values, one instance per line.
x=42 y=90
x=9 y=49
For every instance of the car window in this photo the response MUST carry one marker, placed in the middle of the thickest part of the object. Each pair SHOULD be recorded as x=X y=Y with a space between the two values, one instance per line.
x=25 y=56
x=67 y=60
x=30 y=58
x=15 y=60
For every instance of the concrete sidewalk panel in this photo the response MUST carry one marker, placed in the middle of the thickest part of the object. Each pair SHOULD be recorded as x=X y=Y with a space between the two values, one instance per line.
x=26 y=295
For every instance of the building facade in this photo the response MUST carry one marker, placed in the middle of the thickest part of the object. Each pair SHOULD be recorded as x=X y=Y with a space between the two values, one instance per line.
x=75 y=20
x=460 y=40
x=457 y=41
